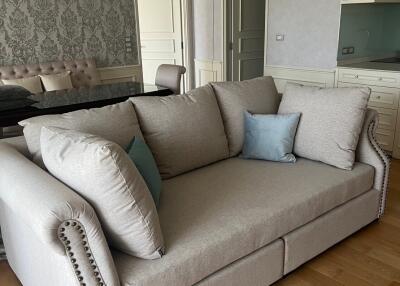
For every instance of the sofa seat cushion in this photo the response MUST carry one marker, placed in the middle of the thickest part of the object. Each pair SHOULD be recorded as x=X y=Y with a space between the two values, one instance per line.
x=215 y=215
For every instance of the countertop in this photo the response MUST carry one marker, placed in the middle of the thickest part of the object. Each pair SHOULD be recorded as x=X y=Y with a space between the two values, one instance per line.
x=394 y=67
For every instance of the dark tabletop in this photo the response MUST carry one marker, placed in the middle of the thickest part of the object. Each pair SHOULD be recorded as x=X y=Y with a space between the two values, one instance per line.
x=52 y=102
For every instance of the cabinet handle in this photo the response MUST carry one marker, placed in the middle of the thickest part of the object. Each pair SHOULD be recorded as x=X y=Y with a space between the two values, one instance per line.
x=378 y=97
x=356 y=76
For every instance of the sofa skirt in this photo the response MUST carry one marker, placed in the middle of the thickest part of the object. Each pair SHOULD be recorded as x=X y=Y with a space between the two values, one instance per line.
x=308 y=241
x=260 y=268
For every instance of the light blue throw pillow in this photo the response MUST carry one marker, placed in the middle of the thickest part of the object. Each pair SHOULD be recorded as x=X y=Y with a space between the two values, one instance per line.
x=141 y=155
x=270 y=137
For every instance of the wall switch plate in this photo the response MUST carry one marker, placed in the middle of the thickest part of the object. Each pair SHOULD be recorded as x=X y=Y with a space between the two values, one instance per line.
x=280 y=37
x=348 y=50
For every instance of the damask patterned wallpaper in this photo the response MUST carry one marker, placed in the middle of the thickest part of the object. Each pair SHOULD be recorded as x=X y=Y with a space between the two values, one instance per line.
x=33 y=31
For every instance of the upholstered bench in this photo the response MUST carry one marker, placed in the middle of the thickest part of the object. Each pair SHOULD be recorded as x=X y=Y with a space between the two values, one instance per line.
x=82 y=72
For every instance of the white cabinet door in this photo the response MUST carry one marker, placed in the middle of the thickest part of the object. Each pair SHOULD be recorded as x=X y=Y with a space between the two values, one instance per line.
x=385 y=139
x=248 y=33
x=384 y=97
x=160 y=34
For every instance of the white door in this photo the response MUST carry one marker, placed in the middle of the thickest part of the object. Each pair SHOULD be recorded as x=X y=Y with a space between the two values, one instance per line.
x=161 y=35
x=247 y=34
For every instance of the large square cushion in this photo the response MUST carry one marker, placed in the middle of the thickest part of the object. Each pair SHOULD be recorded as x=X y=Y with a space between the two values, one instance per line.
x=104 y=175
x=218 y=214
x=330 y=124
x=184 y=132
x=257 y=96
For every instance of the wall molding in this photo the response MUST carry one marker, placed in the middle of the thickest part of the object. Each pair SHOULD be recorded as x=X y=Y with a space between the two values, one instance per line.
x=208 y=71
x=306 y=76
x=120 y=74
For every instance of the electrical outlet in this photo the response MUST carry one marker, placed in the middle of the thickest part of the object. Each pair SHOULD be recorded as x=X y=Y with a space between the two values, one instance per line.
x=280 y=37
x=348 y=50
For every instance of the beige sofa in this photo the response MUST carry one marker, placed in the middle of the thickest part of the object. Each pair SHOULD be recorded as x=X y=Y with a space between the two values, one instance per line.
x=229 y=222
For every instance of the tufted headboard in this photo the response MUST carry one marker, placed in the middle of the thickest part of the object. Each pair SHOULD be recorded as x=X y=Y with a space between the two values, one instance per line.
x=83 y=72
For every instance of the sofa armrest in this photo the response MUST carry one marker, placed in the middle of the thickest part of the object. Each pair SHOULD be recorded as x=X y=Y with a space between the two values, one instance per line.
x=369 y=152
x=59 y=217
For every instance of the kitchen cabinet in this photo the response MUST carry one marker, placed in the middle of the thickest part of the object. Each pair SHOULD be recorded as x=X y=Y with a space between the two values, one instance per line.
x=385 y=96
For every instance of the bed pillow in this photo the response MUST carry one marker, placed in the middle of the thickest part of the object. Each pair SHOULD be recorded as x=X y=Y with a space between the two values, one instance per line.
x=33 y=84
x=270 y=137
x=330 y=124
x=101 y=172
x=57 y=81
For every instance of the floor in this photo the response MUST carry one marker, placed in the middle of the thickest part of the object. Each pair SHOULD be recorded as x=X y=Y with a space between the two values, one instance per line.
x=371 y=257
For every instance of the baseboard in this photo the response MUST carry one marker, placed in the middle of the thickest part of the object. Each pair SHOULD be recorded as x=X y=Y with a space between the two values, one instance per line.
x=207 y=71
x=305 y=76
x=121 y=74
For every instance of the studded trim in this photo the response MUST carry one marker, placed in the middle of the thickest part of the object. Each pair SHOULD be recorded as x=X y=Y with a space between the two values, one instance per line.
x=73 y=236
x=386 y=162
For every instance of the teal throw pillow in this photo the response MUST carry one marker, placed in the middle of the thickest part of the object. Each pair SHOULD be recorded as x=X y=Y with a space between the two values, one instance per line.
x=270 y=137
x=141 y=155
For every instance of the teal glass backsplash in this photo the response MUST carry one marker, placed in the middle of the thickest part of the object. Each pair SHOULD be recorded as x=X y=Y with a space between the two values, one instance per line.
x=372 y=29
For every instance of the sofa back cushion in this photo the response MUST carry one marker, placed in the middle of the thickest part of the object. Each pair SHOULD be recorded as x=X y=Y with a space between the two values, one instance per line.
x=184 y=132
x=117 y=123
x=257 y=96
x=330 y=124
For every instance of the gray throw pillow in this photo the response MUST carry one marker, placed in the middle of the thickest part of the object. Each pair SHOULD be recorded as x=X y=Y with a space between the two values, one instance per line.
x=270 y=137
x=330 y=124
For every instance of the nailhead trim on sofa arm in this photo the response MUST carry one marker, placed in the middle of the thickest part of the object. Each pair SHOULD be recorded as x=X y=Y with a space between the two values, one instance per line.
x=73 y=236
x=386 y=162
x=369 y=152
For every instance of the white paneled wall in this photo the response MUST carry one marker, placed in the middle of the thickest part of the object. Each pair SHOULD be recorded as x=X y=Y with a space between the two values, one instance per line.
x=208 y=40
x=208 y=71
